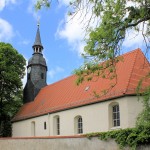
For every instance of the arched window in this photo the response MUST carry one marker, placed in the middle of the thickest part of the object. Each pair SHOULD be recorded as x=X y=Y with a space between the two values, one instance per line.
x=78 y=125
x=56 y=125
x=33 y=128
x=114 y=115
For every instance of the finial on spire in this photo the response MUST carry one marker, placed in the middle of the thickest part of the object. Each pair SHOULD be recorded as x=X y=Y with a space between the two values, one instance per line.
x=38 y=22
x=37 y=46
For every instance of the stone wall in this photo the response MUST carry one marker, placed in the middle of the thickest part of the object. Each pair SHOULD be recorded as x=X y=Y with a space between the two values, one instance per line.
x=60 y=143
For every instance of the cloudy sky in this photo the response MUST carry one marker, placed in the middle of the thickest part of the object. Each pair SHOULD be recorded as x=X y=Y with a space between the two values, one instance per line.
x=61 y=36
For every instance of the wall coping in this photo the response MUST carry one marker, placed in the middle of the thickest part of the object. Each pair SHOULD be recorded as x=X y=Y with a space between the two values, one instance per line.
x=43 y=137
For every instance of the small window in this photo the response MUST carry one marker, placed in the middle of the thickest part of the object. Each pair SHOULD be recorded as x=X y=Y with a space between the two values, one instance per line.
x=115 y=115
x=42 y=75
x=40 y=50
x=58 y=126
x=44 y=125
x=33 y=128
x=29 y=76
x=80 y=125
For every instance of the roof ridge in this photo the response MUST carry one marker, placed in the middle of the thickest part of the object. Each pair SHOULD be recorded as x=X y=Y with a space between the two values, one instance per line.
x=137 y=51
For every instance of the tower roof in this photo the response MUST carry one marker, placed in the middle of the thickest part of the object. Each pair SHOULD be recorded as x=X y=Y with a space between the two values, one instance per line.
x=38 y=38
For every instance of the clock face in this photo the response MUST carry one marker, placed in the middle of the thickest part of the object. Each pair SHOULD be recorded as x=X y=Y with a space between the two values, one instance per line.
x=29 y=69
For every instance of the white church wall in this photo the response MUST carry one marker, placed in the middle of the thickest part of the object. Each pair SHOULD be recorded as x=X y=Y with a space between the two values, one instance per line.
x=134 y=108
x=96 y=118
x=24 y=128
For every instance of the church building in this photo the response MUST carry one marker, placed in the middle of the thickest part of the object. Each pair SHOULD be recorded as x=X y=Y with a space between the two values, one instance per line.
x=63 y=108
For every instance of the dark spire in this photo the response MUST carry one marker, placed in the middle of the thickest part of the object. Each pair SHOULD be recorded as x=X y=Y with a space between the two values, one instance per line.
x=38 y=47
x=37 y=71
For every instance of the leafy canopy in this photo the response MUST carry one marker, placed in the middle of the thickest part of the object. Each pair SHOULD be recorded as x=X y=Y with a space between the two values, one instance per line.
x=12 y=70
x=12 y=67
x=115 y=18
x=104 y=43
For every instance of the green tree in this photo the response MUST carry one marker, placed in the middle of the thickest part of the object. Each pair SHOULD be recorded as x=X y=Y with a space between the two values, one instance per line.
x=12 y=70
x=144 y=117
x=115 y=19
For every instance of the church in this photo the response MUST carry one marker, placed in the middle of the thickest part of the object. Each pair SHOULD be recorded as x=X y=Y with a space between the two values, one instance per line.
x=63 y=108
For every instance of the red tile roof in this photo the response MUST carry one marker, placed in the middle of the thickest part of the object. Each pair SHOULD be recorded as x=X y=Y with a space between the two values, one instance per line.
x=65 y=94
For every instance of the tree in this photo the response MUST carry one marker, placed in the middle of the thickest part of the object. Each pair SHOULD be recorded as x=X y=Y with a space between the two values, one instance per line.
x=12 y=70
x=144 y=117
x=115 y=19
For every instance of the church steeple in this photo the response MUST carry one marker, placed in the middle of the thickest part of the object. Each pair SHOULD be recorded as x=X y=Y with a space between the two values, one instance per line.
x=37 y=47
x=36 y=71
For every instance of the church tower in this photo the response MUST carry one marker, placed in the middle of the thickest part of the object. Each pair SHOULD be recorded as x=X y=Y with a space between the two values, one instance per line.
x=36 y=71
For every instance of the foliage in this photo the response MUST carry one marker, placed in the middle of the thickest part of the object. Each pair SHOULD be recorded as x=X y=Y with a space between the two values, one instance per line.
x=12 y=69
x=132 y=137
x=41 y=3
x=144 y=117
x=116 y=19
x=105 y=41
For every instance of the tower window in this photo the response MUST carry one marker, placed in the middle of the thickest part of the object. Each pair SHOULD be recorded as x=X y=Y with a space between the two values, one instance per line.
x=40 y=50
x=42 y=75
x=29 y=76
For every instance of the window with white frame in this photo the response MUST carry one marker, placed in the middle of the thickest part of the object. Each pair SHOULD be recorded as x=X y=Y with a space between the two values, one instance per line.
x=115 y=115
x=78 y=123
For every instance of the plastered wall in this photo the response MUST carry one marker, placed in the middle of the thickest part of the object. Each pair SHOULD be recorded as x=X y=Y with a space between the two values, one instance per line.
x=96 y=118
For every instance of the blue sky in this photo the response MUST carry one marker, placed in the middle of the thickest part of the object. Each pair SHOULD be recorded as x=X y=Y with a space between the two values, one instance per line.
x=61 y=36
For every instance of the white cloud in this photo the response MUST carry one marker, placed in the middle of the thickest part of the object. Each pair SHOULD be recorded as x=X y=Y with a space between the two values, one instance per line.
x=73 y=28
x=6 y=30
x=65 y=2
x=3 y=3
x=62 y=3
x=55 y=71
x=135 y=39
